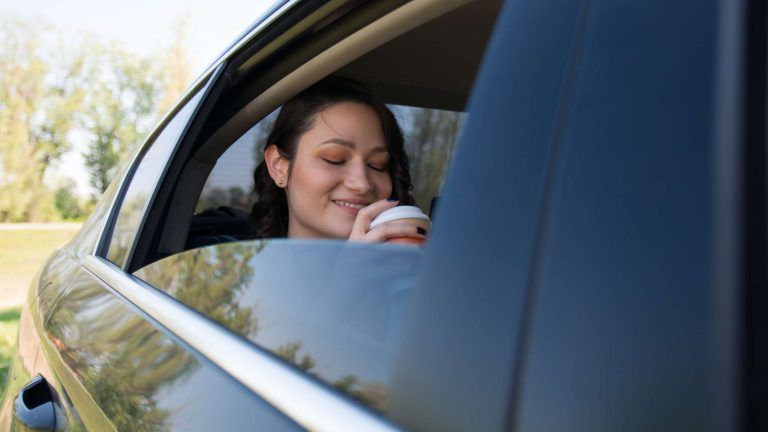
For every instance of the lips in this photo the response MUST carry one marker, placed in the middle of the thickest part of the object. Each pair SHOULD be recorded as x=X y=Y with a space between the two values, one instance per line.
x=350 y=206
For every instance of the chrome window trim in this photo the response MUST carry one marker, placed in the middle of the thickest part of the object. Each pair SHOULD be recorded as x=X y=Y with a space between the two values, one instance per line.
x=104 y=244
x=301 y=398
x=204 y=78
x=235 y=47
x=118 y=197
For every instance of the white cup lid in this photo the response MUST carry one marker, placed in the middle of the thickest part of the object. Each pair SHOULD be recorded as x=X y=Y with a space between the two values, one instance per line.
x=399 y=212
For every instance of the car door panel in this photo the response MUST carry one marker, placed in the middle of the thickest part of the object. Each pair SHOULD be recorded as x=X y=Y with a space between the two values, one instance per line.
x=456 y=367
x=22 y=368
x=622 y=333
x=118 y=371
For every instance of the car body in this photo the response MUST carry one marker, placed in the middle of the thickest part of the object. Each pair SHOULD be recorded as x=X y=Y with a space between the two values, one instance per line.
x=597 y=261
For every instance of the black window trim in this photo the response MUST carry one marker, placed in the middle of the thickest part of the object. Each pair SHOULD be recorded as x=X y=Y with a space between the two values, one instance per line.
x=216 y=68
x=105 y=238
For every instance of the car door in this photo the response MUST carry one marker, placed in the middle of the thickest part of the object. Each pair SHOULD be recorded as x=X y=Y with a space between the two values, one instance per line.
x=622 y=307
x=636 y=323
x=109 y=365
x=627 y=309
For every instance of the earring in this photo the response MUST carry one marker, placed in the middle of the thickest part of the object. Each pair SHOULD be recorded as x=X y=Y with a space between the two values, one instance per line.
x=279 y=182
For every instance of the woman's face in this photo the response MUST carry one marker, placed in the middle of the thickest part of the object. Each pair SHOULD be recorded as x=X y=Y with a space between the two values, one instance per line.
x=341 y=165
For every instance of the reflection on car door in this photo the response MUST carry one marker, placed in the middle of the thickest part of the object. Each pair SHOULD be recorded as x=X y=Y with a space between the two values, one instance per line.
x=117 y=371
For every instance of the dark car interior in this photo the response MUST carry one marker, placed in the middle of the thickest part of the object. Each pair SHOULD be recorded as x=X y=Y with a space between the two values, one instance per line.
x=433 y=65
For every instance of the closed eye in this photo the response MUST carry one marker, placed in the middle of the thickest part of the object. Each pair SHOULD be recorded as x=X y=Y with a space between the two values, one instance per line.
x=333 y=162
x=376 y=168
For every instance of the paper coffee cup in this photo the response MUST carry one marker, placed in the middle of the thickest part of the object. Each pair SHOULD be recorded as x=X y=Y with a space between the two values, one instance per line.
x=410 y=214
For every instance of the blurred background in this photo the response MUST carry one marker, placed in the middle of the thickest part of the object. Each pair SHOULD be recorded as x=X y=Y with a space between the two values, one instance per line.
x=82 y=84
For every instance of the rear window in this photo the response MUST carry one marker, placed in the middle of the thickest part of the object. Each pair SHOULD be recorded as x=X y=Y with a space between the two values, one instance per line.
x=430 y=139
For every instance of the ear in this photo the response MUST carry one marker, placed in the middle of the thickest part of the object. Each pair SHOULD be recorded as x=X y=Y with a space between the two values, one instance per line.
x=277 y=165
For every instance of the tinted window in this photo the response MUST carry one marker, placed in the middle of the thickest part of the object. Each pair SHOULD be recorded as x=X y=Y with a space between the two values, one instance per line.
x=144 y=182
x=330 y=308
x=86 y=239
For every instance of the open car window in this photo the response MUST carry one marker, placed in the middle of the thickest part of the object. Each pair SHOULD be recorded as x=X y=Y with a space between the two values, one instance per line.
x=222 y=211
x=331 y=308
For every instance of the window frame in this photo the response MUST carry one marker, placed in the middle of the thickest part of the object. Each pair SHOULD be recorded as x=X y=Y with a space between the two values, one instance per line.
x=273 y=48
x=105 y=238
x=176 y=317
x=318 y=407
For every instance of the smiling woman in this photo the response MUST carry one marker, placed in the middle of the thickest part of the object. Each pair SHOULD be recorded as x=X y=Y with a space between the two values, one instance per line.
x=333 y=151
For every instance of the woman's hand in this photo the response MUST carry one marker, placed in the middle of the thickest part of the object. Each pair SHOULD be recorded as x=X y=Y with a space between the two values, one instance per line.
x=385 y=231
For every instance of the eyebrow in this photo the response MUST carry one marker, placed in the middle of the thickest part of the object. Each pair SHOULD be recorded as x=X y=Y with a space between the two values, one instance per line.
x=350 y=144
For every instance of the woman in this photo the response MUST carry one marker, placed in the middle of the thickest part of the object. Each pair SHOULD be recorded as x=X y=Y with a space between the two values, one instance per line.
x=333 y=161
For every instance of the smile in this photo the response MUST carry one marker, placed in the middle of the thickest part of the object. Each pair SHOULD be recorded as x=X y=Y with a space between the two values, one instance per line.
x=349 y=204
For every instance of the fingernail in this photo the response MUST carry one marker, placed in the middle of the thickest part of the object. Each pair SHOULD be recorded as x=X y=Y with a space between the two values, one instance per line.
x=421 y=231
x=391 y=199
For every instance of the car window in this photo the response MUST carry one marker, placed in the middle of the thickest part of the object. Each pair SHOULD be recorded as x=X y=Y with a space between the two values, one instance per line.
x=151 y=165
x=430 y=138
x=87 y=238
x=330 y=308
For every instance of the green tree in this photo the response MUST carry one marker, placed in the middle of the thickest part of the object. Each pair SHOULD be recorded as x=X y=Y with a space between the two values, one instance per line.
x=431 y=139
x=66 y=202
x=175 y=60
x=35 y=120
x=119 y=109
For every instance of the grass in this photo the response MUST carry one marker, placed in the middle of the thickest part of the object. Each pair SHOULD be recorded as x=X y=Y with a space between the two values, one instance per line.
x=22 y=252
x=9 y=330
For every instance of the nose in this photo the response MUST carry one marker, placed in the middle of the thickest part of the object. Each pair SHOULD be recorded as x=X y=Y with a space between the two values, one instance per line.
x=356 y=179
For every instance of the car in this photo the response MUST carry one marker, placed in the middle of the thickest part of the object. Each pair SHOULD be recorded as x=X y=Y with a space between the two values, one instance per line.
x=596 y=263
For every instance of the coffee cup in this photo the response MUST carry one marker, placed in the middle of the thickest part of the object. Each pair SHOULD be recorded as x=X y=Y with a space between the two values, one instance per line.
x=410 y=214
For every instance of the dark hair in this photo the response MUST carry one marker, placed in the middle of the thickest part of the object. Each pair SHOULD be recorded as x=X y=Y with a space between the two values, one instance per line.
x=269 y=216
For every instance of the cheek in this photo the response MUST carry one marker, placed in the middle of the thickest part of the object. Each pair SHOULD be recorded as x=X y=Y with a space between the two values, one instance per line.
x=312 y=180
x=383 y=186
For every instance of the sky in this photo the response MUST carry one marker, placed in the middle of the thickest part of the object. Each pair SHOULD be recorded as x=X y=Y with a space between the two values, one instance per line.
x=143 y=27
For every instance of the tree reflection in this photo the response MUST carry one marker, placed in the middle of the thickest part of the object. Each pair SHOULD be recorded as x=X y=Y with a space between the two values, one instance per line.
x=289 y=353
x=373 y=394
x=210 y=280
x=121 y=359
x=126 y=226
x=222 y=283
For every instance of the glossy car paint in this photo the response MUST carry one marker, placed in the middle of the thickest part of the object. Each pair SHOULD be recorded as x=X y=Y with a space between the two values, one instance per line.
x=124 y=373
x=491 y=207
x=627 y=255
x=569 y=283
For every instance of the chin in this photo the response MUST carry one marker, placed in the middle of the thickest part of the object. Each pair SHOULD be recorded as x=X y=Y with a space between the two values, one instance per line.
x=341 y=232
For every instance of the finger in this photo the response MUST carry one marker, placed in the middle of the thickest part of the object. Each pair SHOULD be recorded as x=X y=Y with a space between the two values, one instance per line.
x=390 y=230
x=366 y=215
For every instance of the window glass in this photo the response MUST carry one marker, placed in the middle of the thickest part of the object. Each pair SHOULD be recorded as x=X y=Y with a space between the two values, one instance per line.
x=230 y=183
x=330 y=308
x=430 y=137
x=144 y=182
x=86 y=239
